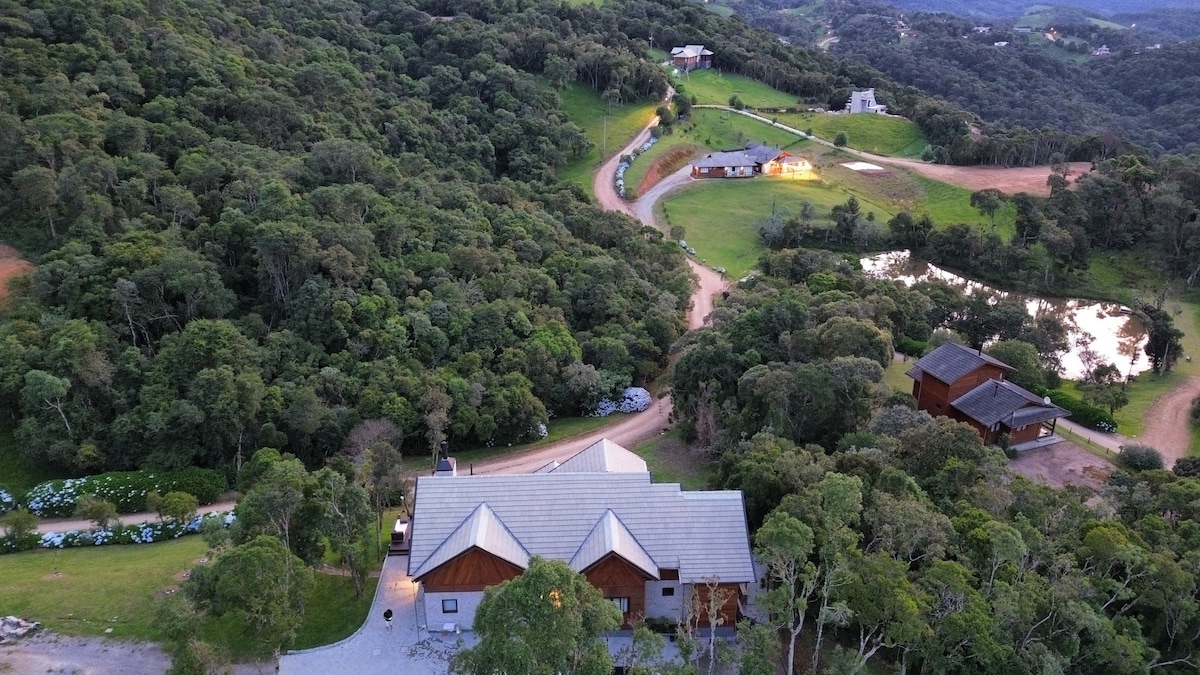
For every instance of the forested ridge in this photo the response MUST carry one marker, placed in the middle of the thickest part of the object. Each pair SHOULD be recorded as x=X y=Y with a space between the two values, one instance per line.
x=263 y=223
x=264 y=228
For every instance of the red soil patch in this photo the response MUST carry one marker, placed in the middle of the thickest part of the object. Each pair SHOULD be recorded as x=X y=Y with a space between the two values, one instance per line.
x=664 y=166
x=1031 y=179
x=11 y=265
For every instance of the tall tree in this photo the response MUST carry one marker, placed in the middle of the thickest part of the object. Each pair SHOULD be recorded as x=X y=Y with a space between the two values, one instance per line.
x=546 y=621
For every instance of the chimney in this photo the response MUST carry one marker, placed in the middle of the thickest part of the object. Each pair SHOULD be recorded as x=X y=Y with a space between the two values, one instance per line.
x=446 y=465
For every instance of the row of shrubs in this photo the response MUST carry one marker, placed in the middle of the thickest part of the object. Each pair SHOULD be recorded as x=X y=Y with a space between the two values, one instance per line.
x=1082 y=413
x=145 y=533
x=127 y=490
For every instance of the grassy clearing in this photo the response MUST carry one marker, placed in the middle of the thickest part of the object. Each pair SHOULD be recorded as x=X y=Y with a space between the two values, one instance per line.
x=17 y=473
x=708 y=130
x=880 y=134
x=670 y=460
x=896 y=379
x=720 y=217
x=584 y=107
x=712 y=87
x=84 y=591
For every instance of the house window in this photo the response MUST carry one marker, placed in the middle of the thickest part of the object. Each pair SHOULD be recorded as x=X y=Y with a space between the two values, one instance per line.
x=450 y=606
x=622 y=604
x=669 y=592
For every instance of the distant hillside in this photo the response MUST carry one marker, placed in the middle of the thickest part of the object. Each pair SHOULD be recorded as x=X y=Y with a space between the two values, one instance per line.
x=1006 y=8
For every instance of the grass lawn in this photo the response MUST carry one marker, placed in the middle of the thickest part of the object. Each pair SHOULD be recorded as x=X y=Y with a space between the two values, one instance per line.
x=584 y=107
x=720 y=217
x=670 y=460
x=84 y=591
x=896 y=379
x=880 y=134
x=708 y=130
x=17 y=473
x=712 y=87
x=558 y=429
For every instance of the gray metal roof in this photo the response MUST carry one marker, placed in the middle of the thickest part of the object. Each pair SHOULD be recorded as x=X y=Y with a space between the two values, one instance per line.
x=724 y=159
x=951 y=361
x=611 y=536
x=603 y=456
x=690 y=51
x=1000 y=401
x=480 y=529
x=702 y=534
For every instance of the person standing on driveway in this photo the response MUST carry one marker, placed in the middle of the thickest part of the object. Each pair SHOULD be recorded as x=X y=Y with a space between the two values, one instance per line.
x=387 y=618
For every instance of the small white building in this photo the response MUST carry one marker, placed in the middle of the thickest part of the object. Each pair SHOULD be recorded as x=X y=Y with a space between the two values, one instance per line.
x=864 y=102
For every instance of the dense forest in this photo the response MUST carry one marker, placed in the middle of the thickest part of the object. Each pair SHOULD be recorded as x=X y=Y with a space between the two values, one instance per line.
x=262 y=224
x=269 y=234
x=901 y=535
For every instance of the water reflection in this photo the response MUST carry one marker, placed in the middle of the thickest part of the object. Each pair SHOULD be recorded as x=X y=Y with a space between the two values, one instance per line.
x=1119 y=337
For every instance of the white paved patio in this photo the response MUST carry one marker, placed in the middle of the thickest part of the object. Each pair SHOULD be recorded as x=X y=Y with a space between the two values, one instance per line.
x=409 y=648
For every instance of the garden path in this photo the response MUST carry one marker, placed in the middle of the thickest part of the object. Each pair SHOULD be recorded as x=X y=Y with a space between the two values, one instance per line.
x=81 y=524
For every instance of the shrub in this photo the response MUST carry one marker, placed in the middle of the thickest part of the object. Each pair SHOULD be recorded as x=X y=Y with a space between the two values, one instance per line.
x=145 y=533
x=1196 y=410
x=907 y=345
x=1081 y=413
x=1140 y=458
x=127 y=490
x=1187 y=467
x=7 y=501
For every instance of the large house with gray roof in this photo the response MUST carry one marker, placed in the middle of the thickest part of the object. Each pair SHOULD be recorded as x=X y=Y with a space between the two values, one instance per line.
x=751 y=161
x=649 y=547
x=969 y=386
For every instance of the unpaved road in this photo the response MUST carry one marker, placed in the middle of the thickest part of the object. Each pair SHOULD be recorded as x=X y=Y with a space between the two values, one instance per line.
x=80 y=524
x=1167 y=424
x=1031 y=179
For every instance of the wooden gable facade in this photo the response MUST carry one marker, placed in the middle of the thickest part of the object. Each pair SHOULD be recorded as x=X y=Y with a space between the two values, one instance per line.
x=472 y=570
x=615 y=578
x=934 y=395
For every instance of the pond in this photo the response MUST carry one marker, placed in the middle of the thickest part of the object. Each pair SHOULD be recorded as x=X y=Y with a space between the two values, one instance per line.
x=1118 y=336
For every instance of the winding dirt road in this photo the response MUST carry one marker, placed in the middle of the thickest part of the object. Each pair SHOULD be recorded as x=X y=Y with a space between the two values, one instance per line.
x=656 y=419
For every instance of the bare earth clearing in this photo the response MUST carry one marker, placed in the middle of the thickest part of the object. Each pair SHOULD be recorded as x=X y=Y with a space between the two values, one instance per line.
x=11 y=265
x=1062 y=464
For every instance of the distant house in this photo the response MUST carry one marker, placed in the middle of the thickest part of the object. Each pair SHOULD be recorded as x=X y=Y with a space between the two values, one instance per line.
x=1102 y=50
x=1022 y=29
x=649 y=547
x=691 y=57
x=1002 y=43
x=957 y=382
x=982 y=29
x=751 y=161
x=864 y=102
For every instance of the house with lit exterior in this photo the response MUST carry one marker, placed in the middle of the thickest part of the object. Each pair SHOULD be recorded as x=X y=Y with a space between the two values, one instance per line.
x=864 y=102
x=969 y=386
x=753 y=160
x=691 y=57
x=649 y=547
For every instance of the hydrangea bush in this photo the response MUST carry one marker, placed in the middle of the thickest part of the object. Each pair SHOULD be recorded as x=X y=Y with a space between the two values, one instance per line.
x=7 y=501
x=633 y=399
x=126 y=489
x=626 y=161
x=145 y=533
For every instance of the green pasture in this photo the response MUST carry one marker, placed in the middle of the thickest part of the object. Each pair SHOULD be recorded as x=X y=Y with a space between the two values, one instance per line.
x=1106 y=24
x=880 y=134
x=719 y=10
x=720 y=218
x=89 y=590
x=709 y=129
x=86 y=591
x=711 y=87
x=584 y=107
